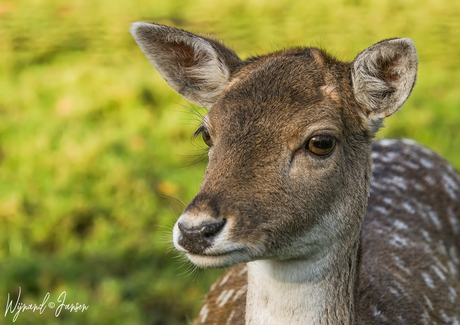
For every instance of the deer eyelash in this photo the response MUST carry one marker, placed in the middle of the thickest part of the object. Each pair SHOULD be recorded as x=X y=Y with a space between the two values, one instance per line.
x=198 y=132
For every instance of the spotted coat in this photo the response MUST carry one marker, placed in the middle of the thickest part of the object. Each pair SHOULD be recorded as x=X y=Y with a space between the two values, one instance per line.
x=410 y=245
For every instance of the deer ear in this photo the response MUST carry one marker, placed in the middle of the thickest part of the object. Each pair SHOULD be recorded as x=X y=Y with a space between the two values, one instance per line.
x=383 y=77
x=198 y=68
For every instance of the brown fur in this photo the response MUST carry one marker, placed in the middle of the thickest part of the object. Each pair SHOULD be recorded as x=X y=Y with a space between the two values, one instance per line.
x=266 y=197
x=395 y=286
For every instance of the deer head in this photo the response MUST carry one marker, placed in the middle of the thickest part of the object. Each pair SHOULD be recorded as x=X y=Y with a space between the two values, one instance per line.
x=289 y=139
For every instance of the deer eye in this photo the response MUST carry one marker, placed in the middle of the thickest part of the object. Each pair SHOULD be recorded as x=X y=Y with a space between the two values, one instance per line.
x=321 y=145
x=204 y=134
x=206 y=137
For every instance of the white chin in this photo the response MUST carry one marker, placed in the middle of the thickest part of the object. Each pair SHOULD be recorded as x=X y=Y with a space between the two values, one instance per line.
x=219 y=261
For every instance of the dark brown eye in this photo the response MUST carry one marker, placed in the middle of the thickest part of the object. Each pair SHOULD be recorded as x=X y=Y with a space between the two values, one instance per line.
x=206 y=137
x=321 y=145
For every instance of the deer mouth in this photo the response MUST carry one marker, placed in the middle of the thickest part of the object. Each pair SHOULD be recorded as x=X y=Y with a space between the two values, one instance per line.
x=208 y=243
x=219 y=259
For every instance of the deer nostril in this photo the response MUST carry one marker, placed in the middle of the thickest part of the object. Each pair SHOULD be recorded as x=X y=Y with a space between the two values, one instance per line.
x=197 y=239
x=210 y=230
x=206 y=230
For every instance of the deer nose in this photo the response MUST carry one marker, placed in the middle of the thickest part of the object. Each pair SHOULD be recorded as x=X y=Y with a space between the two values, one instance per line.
x=196 y=240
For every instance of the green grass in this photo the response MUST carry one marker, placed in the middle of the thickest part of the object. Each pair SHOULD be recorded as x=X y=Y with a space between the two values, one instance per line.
x=95 y=147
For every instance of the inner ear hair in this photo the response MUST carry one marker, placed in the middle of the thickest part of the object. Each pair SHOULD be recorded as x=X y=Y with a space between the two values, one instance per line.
x=383 y=77
x=198 y=68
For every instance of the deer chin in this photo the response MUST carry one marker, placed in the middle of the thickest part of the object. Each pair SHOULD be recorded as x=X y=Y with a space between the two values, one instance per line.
x=222 y=260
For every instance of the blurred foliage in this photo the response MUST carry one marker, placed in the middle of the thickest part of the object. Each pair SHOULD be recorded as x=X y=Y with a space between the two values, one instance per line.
x=95 y=152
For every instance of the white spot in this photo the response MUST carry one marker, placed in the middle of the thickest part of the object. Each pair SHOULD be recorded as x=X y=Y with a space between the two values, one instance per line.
x=428 y=302
x=426 y=319
x=397 y=181
x=229 y=320
x=411 y=164
x=381 y=209
x=426 y=163
x=401 y=320
x=401 y=290
x=375 y=165
x=452 y=268
x=430 y=180
x=450 y=181
x=387 y=142
x=453 y=255
x=240 y=292
x=243 y=270
x=224 y=280
x=450 y=186
x=389 y=157
x=388 y=201
x=419 y=187
x=438 y=272
x=426 y=151
x=394 y=291
x=224 y=296
x=378 y=313
x=440 y=264
x=398 y=168
x=398 y=241
x=452 y=294
x=203 y=313
x=401 y=265
x=453 y=220
x=221 y=296
x=427 y=249
x=445 y=317
x=400 y=277
x=378 y=185
x=426 y=235
x=400 y=225
x=451 y=169
x=441 y=248
x=450 y=192
x=410 y=142
x=434 y=217
x=428 y=281
x=408 y=208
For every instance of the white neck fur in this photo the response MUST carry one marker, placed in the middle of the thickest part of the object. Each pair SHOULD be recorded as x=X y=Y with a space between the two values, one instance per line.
x=303 y=292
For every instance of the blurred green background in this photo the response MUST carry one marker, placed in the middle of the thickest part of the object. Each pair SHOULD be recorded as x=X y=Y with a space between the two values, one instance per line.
x=95 y=152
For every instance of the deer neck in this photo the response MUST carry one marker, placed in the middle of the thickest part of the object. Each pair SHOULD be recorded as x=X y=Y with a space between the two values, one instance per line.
x=304 y=292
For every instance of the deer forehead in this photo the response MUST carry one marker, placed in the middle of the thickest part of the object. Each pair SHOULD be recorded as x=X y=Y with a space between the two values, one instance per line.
x=283 y=95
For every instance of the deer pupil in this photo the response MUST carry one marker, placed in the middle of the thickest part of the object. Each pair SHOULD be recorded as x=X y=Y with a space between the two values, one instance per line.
x=321 y=145
x=207 y=138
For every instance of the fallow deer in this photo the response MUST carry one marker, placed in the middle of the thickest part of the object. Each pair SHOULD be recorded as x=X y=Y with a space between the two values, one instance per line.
x=321 y=224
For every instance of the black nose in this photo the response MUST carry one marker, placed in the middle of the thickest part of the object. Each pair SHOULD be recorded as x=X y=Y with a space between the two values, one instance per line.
x=196 y=240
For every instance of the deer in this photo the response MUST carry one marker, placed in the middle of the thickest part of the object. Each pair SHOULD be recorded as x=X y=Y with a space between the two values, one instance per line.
x=316 y=222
